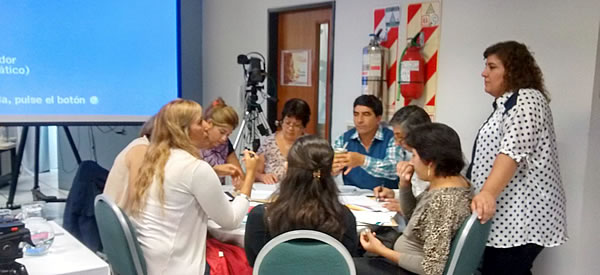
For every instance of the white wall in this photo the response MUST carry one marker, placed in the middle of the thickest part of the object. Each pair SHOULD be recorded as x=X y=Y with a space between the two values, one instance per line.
x=564 y=37
x=588 y=249
x=230 y=28
x=562 y=34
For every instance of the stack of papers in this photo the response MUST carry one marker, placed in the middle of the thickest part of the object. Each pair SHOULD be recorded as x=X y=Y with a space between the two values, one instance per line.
x=363 y=203
x=262 y=192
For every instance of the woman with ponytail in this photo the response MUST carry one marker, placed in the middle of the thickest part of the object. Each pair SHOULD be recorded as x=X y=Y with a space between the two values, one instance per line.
x=175 y=192
x=307 y=198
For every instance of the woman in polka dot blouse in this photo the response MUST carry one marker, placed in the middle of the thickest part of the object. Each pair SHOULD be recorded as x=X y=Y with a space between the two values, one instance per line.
x=514 y=168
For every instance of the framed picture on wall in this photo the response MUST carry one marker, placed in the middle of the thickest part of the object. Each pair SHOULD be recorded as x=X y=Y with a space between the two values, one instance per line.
x=295 y=68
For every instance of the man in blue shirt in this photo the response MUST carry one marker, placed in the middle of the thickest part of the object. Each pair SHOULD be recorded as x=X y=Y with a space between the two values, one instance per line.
x=372 y=155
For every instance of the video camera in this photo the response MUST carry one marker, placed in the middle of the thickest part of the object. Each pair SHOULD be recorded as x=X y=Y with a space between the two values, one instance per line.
x=255 y=70
x=12 y=233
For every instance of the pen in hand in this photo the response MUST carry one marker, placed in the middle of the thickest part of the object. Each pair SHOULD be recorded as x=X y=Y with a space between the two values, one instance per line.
x=378 y=198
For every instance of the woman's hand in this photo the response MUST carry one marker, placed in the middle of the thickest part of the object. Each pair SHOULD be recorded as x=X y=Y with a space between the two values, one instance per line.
x=370 y=243
x=484 y=204
x=267 y=178
x=250 y=160
x=237 y=183
x=405 y=171
x=383 y=192
x=224 y=170
x=392 y=205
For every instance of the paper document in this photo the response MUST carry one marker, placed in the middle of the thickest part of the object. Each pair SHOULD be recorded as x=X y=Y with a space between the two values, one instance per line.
x=376 y=218
x=363 y=202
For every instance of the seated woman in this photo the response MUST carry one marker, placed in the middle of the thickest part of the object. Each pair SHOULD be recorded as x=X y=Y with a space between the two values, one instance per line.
x=176 y=192
x=221 y=120
x=434 y=216
x=274 y=149
x=129 y=159
x=307 y=198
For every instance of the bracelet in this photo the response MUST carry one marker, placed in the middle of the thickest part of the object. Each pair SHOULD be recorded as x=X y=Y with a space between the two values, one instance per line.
x=244 y=196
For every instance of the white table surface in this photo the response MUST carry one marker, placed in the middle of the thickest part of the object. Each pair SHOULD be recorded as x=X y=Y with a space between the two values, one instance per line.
x=66 y=256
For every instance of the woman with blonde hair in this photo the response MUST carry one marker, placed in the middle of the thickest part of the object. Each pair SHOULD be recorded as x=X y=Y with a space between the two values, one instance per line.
x=221 y=120
x=176 y=192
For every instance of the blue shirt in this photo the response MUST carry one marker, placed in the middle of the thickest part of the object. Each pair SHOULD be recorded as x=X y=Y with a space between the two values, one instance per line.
x=379 y=167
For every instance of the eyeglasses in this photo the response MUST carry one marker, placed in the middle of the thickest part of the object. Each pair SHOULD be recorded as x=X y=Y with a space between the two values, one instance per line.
x=291 y=124
x=399 y=138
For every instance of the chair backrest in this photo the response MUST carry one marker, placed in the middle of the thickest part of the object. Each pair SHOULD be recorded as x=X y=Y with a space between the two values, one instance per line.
x=119 y=238
x=304 y=252
x=468 y=246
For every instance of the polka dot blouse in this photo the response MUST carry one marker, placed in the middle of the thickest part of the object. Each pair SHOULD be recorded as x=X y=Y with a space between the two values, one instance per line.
x=531 y=209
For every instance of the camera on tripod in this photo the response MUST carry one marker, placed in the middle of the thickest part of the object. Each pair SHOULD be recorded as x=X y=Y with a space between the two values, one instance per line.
x=254 y=123
x=12 y=233
x=255 y=72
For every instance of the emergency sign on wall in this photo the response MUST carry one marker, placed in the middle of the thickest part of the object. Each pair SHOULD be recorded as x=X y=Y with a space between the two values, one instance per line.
x=423 y=23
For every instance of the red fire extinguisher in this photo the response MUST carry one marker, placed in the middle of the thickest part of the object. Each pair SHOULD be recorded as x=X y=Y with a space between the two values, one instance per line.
x=412 y=70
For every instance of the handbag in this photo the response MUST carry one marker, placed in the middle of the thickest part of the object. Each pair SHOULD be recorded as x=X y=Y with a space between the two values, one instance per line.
x=226 y=259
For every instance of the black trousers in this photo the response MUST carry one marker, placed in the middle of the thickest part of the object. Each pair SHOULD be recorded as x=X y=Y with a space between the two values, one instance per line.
x=514 y=261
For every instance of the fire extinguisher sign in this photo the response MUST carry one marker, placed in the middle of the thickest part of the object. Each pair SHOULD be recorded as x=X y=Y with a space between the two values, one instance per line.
x=424 y=18
x=406 y=67
x=387 y=21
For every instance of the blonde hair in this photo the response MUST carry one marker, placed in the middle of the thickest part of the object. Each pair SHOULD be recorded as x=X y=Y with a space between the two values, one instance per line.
x=171 y=130
x=221 y=114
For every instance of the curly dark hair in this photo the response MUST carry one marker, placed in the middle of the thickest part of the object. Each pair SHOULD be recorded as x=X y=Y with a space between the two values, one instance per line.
x=521 y=69
x=304 y=199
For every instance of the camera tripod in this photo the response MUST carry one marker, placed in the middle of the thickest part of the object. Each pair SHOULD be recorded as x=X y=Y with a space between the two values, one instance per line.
x=254 y=124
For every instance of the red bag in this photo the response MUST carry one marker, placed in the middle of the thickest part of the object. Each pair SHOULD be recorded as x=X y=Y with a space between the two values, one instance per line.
x=226 y=259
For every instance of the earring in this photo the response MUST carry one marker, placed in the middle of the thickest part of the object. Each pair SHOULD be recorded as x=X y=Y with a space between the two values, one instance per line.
x=428 y=171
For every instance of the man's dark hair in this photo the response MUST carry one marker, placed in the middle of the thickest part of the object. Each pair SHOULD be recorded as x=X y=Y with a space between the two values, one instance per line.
x=370 y=101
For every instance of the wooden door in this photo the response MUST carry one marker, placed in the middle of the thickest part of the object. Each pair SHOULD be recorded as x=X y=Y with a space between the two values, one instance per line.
x=299 y=37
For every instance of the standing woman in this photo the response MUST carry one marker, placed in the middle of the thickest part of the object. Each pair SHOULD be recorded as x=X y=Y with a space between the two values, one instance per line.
x=176 y=192
x=514 y=167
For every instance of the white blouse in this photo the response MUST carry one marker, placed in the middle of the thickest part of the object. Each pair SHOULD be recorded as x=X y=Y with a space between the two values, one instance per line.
x=531 y=209
x=173 y=235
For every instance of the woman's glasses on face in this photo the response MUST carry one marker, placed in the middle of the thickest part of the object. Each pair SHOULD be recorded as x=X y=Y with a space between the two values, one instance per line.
x=292 y=124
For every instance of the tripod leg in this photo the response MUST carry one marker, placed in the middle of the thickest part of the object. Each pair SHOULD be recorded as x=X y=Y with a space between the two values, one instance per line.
x=17 y=168
x=36 y=163
x=240 y=133
x=263 y=121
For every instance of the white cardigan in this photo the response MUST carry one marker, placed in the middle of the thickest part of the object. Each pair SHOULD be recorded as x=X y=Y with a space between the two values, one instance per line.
x=173 y=235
